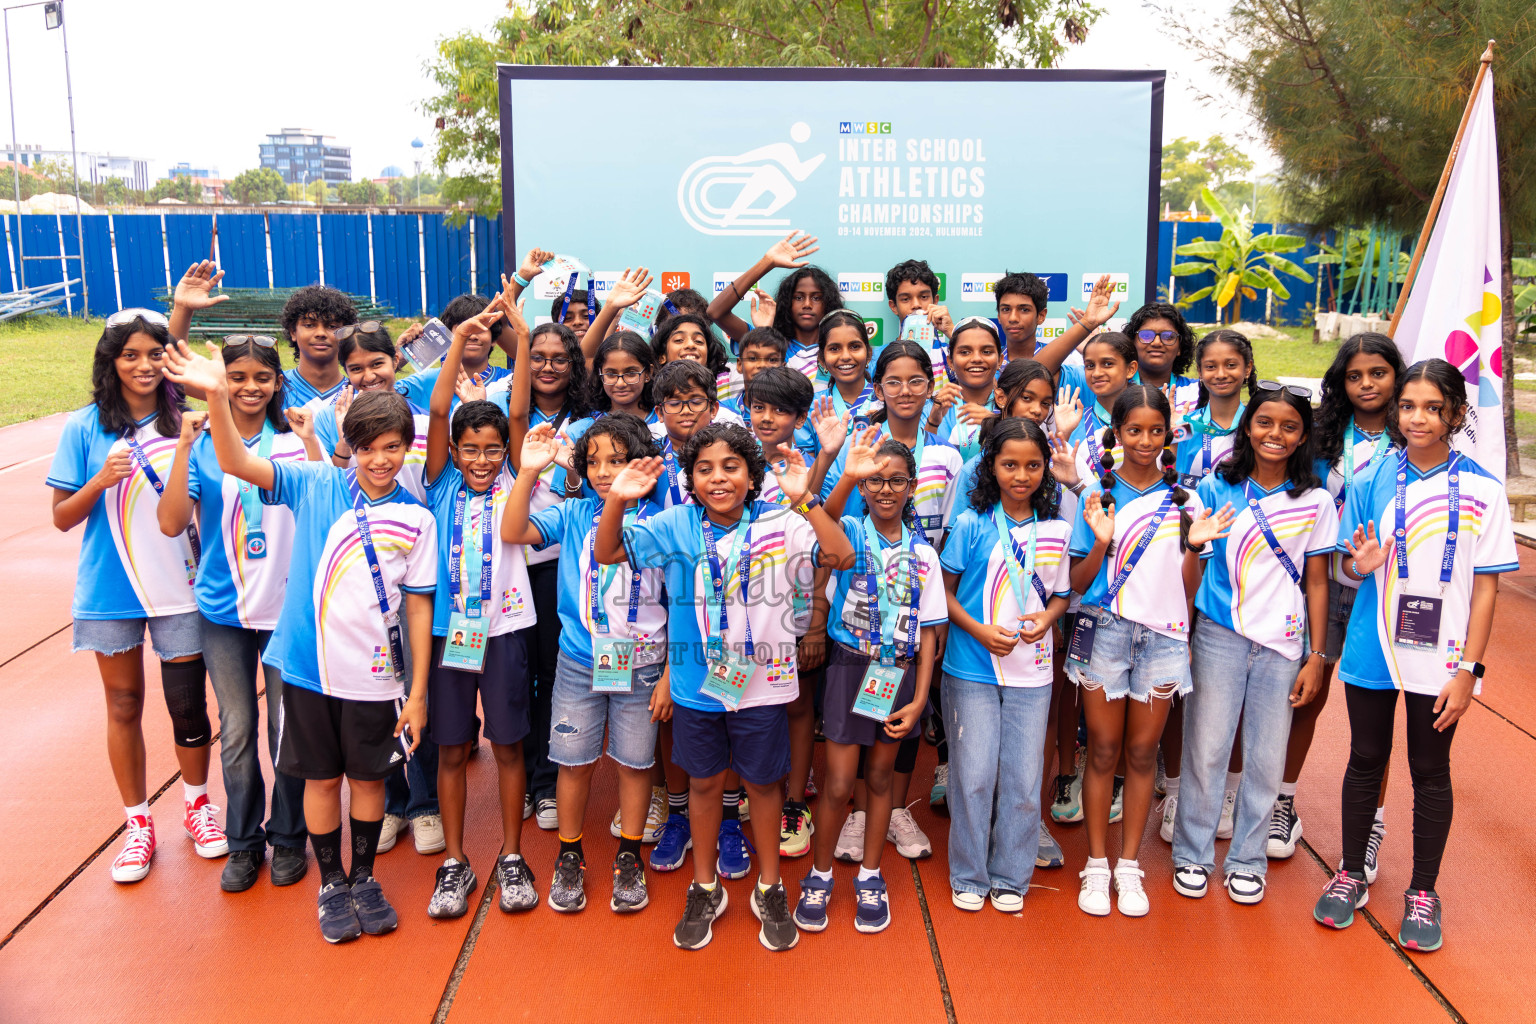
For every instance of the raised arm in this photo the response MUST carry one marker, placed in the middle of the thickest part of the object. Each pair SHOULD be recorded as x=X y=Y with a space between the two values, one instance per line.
x=858 y=467
x=624 y=293
x=789 y=253
x=185 y=367
x=1101 y=521
x=634 y=482
x=440 y=405
x=538 y=451
x=520 y=396
x=71 y=508
x=1099 y=310
x=532 y=264
x=194 y=292
x=175 y=509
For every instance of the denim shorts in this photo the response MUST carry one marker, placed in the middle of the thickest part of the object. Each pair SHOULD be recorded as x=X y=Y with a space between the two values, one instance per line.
x=172 y=636
x=1132 y=660
x=1341 y=604
x=578 y=716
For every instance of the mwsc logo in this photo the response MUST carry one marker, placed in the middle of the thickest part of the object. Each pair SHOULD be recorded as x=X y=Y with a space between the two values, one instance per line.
x=740 y=195
x=863 y=127
x=861 y=287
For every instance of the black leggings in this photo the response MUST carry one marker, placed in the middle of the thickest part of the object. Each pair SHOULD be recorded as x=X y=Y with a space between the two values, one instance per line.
x=1371 y=716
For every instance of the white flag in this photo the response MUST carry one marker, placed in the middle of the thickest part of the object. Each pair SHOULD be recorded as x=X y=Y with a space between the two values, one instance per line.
x=1454 y=310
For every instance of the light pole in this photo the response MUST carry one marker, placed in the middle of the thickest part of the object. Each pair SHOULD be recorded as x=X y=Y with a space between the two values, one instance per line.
x=417 y=145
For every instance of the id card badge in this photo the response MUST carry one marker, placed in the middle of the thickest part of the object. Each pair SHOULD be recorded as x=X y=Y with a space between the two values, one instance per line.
x=613 y=664
x=877 y=693
x=464 y=647
x=429 y=346
x=1189 y=481
x=1080 y=649
x=727 y=676
x=1416 y=626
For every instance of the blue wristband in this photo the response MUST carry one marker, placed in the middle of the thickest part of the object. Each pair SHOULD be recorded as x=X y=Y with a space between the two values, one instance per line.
x=518 y=277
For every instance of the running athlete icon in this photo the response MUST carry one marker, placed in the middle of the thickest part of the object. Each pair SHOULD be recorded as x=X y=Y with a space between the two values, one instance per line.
x=751 y=188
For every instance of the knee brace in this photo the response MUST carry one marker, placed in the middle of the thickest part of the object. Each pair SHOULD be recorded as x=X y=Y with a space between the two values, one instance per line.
x=186 y=698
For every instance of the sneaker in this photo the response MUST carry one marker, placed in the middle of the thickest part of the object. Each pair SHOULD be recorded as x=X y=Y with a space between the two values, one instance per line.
x=850 y=841
x=1130 y=896
x=450 y=893
x=527 y=806
x=289 y=864
x=872 y=905
x=517 y=884
x=338 y=917
x=1284 y=829
x=938 y=796
x=733 y=861
x=374 y=913
x=1006 y=900
x=971 y=901
x=655 y=817
x=673 y=841
x=1345 y=894
x=811 y=792
x=1160 y=780
x=1117 y=802
x=629 y=891
x=394 y=824
x=428 y=831
x=1170 y=810
x=548 y=816
x=744 y=810
x=811 y=910
x=910 y=841
x=700 y=913
x=1191 y=880
x=1048 y=851
x=1372 y=849
x=795 y=830
x=568 y=889
x=240 y=870
x=203 y=829
x=132 y=861
x=1420 y=930
x=771 y=907
x=1068 y=805
x=1093 y=897
x=1245 y=886
x=1228 y=814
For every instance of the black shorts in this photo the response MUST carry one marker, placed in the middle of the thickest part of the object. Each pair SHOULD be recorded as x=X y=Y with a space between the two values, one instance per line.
x=503 y=689
x=323 y=737
x=845 y=674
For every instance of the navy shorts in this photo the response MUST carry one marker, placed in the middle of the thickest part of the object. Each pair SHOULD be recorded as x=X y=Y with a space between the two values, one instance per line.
x=502 y=689
x=845 y=674
x=754 y=742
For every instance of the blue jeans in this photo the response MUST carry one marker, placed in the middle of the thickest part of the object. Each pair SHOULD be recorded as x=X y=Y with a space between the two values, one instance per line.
x=232 y=655
x=1235 y=678
x=996 y=739
x=411 y=791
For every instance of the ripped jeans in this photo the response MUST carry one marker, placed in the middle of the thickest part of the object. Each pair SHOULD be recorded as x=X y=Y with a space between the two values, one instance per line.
x=578 y=716
x=1132 y=660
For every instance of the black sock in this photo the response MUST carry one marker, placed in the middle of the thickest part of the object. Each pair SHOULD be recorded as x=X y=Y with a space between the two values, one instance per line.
x=1119 y=782
x=572 y=846
x=628 y=845
x=794 y=805
x=730 y=808
x=365 y=844
x=328 y=855
x=677 y=803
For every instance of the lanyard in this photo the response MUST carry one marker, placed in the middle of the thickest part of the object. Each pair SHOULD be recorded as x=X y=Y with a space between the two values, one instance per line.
x=142 y=461
x=250 y=502
x=1095 y=450
x=391 y=619
x=717 y=575
x=842 y=407
x=570 y=289
x=1140 y=548
x=1020 y=563
x=886 y=651
x=598 y=586
x=674 y=476
x=457 y=555
x=1383 y=445
x=1453 y=500
x=917 y=449
x=1269 y=535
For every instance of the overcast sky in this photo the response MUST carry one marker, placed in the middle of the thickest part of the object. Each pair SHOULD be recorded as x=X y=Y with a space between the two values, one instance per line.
x=205 y=83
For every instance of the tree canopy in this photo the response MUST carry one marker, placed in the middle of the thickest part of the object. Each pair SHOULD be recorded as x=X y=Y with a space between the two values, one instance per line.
x=1190 y=165
x=257 y=185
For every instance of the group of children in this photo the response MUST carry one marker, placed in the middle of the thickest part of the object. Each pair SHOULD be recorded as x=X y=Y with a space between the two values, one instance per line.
x=693 y=543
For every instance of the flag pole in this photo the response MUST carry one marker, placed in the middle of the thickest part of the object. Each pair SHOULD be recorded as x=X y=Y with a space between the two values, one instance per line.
x=1434 y=205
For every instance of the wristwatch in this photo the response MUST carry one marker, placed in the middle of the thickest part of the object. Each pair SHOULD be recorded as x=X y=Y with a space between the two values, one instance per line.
x=1477 y=668
x=810 y=501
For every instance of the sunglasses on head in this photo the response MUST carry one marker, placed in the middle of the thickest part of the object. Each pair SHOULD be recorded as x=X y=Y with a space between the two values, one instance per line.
x=128 y=316
x=974 y=321
x=367 y=327
x=259 y=340
x=1274 y=385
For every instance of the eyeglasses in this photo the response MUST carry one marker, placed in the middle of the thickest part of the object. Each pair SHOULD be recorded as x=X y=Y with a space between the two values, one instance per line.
x=561 y=362
x=128 y=316
x=974 y=321
x=1274 y=385
x=698 y=403
x=895 y=483
x=367 y=327
x=629 y=376
x=476 y=454
x=1146 y=334
x=261 y=340
x=912 y=385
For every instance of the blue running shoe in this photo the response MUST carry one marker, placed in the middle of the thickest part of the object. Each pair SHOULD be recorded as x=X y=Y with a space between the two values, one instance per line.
x=734 y=861
x=373 y=910
x=1345 y=894
x=338 y=919
x=1420 y=931
x=811 y=910
x=872 y=907
x=673 y=841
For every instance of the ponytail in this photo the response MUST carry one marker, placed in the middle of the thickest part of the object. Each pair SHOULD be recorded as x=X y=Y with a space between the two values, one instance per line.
x=1180 y=495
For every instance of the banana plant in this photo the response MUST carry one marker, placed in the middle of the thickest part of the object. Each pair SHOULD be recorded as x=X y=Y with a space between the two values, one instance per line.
x=1241 y=261
x=1524 y=267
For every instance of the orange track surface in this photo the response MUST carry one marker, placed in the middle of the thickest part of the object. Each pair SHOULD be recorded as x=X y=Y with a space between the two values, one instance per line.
x=77 y=947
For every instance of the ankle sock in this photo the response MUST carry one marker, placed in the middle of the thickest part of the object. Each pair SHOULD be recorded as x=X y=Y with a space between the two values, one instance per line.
x=1287 y=789
x=629 y=844
x=730 y=808
x=572 y=846
x=1381 y=815
x=1171 y=785
x=865 y=874
x=822 y=876
x=1098 y=862
x=365 y=844
x=142 y=810
x=1234 y=779
x=190 y=793
x=327 y=849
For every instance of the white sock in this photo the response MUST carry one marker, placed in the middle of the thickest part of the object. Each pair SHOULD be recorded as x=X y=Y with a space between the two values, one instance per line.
x=1123 y=863
x=143 y=809
x=1380 y=814
x=865 y=874
x=1234 y=779
x=190 y=793
x=1098 y=862
x=1287 y=789
x=708 y=886
x=1171 y=785
x=821 y=876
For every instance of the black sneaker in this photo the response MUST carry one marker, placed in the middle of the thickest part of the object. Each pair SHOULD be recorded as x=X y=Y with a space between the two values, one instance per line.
x=629 y=891
x=771 y=907
x=450 y=894
x=568 y=889
x=1284 y=829
x=703 y=908
x=338 y=918
x=1345 y=894
x=240 y=870
x=289 y=864
x=373 y=910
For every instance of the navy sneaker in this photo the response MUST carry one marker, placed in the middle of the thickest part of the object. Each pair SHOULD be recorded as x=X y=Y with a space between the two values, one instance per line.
x=1345 y=894
x=872 y=907
x=673 y=841
x=734 y=862
x=811 y=910
x=373 y=910
x=338 y=918
x=1420 y=930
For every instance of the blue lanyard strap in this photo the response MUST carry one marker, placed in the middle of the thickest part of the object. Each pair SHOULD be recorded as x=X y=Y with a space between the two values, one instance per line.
x=457 y=555
x=250 y=502
x=1020 y=562
x=674 y=474
x=1383 y=445
x=1453 y=500
x=1091 y=435
x=142 y=461
x=841 y=407
x=1140 y=548
x=598 y=585
x=1269 y=535
x=717 y=574
x=376 y=573
x=873 y=578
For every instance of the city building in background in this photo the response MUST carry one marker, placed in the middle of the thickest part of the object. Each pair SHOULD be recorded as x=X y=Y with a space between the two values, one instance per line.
x=95 y=168
x=302 y=156
x=191 y=172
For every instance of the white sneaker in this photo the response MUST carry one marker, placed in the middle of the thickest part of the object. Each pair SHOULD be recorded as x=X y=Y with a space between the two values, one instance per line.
x=1131 y=898
x=850 y=841
x=394 y=824
x=1245 y=887
x=1228 y=813
x=1093 y=897
x=910 y=841
x=970 y=901
x=527 y=806
x=1117 y=801
x=655 y=817
x=428 y=830
x=1170 y=808
x=548 y=816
